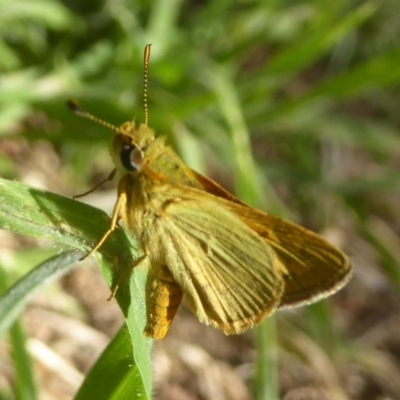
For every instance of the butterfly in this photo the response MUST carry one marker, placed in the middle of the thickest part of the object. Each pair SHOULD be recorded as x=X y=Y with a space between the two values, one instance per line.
x=235 y=264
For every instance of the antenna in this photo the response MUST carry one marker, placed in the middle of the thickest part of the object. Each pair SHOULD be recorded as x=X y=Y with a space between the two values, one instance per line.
x=146 y=70
x=77 y=109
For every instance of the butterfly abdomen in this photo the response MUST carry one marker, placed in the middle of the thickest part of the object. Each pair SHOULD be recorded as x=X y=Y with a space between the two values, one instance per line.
x=163 y=299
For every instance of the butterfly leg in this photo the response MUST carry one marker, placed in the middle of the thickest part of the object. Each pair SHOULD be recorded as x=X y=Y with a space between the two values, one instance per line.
x=116 y=215
x=125 y=274
x=108 y=179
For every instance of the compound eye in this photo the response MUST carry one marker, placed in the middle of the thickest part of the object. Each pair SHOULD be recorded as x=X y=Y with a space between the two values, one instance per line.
x=131 y=157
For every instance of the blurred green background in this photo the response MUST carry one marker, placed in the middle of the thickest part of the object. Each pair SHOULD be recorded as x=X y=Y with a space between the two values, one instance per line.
x=293 y=105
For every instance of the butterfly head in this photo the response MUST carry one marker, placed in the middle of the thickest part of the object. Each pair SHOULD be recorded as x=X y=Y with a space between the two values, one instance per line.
x=129 y=147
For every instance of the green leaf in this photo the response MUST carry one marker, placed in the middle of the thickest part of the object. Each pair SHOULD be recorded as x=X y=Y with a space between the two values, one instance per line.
x=38 y=213
x=115 y=375
x=12 y=301
x=25 y=387
x=25 y=382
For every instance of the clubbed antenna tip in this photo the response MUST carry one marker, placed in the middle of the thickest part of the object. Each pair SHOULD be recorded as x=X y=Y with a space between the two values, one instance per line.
x=75 y=107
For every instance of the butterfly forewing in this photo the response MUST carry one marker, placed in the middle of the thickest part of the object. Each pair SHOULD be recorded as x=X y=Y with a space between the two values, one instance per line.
x=312 y=267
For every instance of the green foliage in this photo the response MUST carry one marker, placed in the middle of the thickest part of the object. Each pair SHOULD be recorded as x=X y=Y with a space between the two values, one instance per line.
x=36 y=213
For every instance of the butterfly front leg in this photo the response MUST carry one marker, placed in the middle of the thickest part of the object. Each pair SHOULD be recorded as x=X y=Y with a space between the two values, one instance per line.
x=116 y=216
